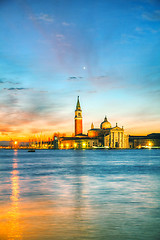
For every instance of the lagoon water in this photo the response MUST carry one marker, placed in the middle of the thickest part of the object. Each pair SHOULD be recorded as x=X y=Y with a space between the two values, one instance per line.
x=80 y=195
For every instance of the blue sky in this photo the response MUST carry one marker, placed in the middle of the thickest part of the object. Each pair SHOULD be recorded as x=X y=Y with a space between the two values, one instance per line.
x=107 y=52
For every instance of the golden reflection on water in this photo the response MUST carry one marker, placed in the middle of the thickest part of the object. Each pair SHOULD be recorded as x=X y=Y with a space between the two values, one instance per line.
x=77 y=206
x=14 y=229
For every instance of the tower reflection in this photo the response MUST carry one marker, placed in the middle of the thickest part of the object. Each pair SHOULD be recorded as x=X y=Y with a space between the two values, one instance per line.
x=14 y=229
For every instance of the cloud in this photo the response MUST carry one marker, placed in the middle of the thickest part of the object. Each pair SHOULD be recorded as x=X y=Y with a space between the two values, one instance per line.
x=128 y=38
x=29 y=112
x=152 y=30
x=142 y=31
x=154 y=95
x=74 y=78
x=155 y=16
x=15 y=89
x=139 y=30
x=65 y=45
x=42 y=17
x=108 y=82
x=5 y=80
x=101 y=79
x=60 y=36
x=66 y=24
x=3 y=130
x=5 y=134
x=79 y=91
x=92 y=91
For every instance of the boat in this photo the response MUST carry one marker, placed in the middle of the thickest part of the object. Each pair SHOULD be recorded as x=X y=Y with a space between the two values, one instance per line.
x=95 y=147
x=31 y=150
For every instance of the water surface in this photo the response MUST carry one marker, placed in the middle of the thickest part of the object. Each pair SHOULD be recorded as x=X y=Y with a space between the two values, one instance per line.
x=69 y=194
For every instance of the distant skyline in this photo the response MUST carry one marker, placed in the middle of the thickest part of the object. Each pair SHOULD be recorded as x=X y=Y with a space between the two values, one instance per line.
x=107 y=52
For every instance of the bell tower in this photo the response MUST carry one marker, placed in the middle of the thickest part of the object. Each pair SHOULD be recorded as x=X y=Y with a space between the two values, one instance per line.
x=78 y=118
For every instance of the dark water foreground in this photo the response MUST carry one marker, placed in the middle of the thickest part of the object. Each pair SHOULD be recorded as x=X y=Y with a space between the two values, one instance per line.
x=67 y=194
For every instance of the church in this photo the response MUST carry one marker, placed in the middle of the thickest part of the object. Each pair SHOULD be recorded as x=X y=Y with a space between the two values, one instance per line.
x=104 y=137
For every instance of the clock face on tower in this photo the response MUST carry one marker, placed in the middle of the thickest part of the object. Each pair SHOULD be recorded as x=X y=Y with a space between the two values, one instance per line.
x=78 y=114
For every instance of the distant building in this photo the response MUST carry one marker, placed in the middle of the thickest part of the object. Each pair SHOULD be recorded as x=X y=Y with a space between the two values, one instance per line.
x=108 y=136
x=149 y=141
x=105 y=136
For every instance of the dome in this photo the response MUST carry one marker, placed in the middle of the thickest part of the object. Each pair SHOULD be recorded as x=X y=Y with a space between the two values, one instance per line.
x=105 y=124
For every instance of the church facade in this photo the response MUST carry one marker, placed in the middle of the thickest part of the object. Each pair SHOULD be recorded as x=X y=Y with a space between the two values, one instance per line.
x=104 y=137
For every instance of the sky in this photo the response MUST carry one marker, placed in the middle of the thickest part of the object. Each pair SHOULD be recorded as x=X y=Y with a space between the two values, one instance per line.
x=106 y=52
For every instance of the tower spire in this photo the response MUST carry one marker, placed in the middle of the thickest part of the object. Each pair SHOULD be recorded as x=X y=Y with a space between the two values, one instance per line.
x=78 y=107
x=105 y=119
